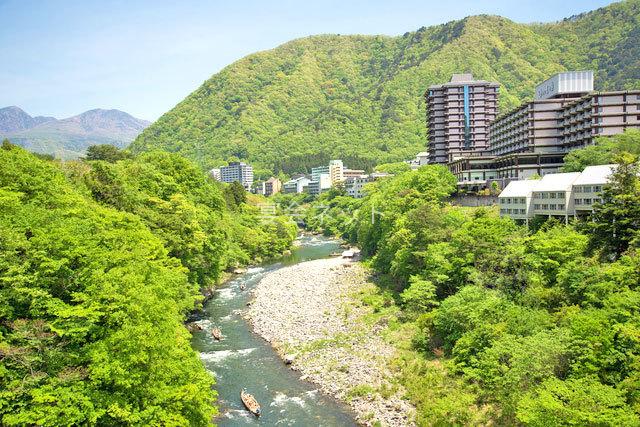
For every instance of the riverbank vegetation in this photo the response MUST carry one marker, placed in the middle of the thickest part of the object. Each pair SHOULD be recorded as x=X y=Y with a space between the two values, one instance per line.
x=501 y=324
x=99 y=263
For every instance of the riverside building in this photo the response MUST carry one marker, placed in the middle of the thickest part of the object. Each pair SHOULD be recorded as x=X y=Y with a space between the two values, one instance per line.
x=237 y=171
x=533 y=138
x=458 y=116
x=561 y=195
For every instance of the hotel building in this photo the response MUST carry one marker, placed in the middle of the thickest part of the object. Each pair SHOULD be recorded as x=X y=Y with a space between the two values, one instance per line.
x=458 y=116
x=533 y=138
x=237 y=171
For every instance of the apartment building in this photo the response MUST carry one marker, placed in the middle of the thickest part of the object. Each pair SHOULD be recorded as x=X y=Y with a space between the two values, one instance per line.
x=588 y=186
x=458 y=117
x=317 y=186
x=354 y=186
x=561 y=195
x=599 y=114
x=237 y=171
x=272 y=186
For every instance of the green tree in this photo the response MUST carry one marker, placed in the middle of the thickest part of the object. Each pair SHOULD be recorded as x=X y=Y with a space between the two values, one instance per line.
x=616 y=219
x=106 y=152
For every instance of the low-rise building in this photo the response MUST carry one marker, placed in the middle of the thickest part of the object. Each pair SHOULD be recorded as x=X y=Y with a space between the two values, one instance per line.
x=296 y=185
x=588 y=186
x=354 y=185
x=272 y=186
x=561 y=195
x=552 y=195
x=515 y=199
x=323 y=183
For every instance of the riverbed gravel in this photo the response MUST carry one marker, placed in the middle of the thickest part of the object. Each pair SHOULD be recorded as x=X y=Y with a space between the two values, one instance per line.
x=308 y=313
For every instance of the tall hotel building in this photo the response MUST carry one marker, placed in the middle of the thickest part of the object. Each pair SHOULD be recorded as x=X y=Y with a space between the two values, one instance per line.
x=237 y=171
x=458 y=115
x=533 y=138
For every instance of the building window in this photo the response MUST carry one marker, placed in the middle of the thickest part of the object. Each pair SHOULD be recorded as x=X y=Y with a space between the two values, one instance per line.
x=545 y=207
x=587 y=201
x=597 y=188
x=536 y=206
x=560 y=207
x=560 y=195
x=578 y=201
x=467 y=118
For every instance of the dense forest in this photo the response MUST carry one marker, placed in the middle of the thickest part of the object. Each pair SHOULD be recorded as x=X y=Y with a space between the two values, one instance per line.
x=100 y=262
x=359 y=98
x=496 y=322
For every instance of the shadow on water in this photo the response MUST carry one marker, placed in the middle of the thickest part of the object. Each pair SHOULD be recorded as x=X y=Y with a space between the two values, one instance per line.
x=242 y=359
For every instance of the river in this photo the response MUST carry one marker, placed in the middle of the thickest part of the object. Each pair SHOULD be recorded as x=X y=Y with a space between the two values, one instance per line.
x=243 y=359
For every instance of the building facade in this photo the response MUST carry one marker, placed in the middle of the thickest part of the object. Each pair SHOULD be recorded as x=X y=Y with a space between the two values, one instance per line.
x=215 y=174
x=458 y=117
x=237 y=171
x=561 y=195
x=272 y=186
x=296 y=185
x=323 y=183
x=532 y=139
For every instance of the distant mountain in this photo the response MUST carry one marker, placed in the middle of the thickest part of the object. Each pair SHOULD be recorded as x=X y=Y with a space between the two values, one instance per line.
x=360 y=98
x=69 y=138
x=13 y=119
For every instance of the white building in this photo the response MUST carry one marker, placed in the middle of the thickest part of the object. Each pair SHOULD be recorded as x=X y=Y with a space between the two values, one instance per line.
x=323 y=183
x=354 y=185
x=552 y=195
x=515 y=199
x=237 y=171
x=215 y=174
x=588 y=186
x=296 y=185
x=557 y=194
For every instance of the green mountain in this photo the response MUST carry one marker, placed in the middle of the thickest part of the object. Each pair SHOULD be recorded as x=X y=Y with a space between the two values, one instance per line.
x=359 y=98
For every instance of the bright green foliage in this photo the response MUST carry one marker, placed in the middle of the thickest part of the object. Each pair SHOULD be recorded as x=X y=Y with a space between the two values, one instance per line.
x=360 y=98
x=510 y=325
x=575 y=402
x=108 y=153
x=616 y=220
x=91 y=311
x=604 y=151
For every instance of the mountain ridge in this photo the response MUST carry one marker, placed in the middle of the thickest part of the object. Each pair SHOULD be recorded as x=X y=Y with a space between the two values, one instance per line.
x=70 y=137
x=359 y=97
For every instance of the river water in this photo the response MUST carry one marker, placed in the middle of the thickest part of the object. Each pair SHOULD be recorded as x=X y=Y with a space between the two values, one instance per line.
x=243 y=359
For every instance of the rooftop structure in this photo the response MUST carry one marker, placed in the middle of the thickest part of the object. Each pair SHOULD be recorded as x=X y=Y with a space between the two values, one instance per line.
x=568 y=84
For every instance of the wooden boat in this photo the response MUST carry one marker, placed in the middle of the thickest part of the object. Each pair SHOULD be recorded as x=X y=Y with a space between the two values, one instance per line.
x=250 y=403
x=216 y=333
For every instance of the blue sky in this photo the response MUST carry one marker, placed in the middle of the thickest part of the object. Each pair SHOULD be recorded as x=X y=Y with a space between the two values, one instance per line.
x=62 y=57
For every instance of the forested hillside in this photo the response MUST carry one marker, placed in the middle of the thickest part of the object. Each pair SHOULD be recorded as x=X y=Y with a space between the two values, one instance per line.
x=496 y=323
x=100 y=262
x=359 y=98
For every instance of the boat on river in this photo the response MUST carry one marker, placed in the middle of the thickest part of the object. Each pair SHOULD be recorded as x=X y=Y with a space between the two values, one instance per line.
x=216 y=333
x=250 y=403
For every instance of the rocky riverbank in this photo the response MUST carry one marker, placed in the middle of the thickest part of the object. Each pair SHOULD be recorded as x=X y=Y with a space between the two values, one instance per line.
x=309 y=312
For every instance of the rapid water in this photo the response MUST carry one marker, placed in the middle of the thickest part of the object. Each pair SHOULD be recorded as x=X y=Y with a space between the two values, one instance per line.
x=243 y=359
